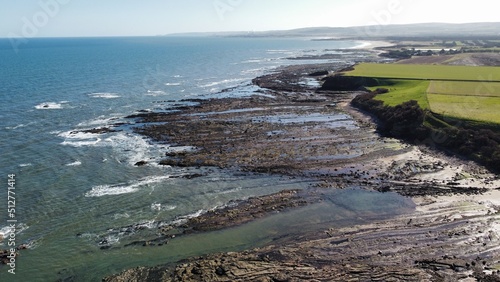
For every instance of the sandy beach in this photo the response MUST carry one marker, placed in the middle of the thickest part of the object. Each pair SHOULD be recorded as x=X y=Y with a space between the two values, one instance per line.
x=373 y=44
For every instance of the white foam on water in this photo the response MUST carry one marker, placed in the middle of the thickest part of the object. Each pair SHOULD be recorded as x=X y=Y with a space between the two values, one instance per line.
x=169 y=207
x=225 y=81
x=256 y=71
x=204 y=78
x=49 y=106
x=75 y=163
x=124 y=188
x=147 y=224
x=105 y=95
x=111 y=239
x=182 y=219
x=173 y=84
x=156 y=207
x=251 y=61
x=79 y=139
x=160 y=207
x=32 y=245
x=74 y=134
x=133 y=147
x=155 y=93
x=100 y=120
x=82 y=143
x=19 y=126
x=5 y=232
x=109 y=190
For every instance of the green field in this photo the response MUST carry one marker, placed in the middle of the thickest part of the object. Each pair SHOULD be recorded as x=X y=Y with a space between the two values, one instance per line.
x=464 y=92
x=466 y=107
x=401 y=91
x=427 y=72
x=462 y=88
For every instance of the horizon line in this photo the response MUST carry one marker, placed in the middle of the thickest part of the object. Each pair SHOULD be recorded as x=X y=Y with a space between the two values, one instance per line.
x=244 y=31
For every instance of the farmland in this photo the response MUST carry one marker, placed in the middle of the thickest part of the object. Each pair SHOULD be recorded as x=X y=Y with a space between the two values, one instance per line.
x=463 y=88
x=427 y=72
x=466 y=107
x=465 y=92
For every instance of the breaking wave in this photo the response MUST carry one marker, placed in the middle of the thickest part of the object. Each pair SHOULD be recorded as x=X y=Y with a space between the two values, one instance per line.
x=124 y=188
x=104 y=95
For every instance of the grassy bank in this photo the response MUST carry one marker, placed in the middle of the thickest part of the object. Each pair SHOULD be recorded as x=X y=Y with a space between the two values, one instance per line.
x=401 y=90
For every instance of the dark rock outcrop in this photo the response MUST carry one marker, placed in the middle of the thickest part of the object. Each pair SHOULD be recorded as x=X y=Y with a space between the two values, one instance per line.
x=347 y=83
x=319 y=73
x=141 y=163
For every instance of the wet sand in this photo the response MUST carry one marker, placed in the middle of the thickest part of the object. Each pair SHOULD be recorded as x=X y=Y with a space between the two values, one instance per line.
x=292 y=129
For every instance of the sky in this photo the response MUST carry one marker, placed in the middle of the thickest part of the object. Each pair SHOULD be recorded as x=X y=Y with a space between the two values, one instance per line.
x=81 y=18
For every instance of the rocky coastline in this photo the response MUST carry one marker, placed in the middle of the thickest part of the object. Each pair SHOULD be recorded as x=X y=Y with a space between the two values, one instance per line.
x=302 y=130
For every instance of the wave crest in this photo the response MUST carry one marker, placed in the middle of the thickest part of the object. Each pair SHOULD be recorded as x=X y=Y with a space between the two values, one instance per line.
x=118 y=189
x=104 y=95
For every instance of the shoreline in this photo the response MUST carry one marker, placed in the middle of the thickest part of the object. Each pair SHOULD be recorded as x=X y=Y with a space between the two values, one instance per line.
x=251 y=135
x=372 y=44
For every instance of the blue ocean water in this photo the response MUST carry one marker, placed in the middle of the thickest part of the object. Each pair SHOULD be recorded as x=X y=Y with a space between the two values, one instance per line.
x=74 y=189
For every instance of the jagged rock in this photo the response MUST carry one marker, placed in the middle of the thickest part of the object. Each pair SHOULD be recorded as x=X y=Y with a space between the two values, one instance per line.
x=141 y=163
x=99 y=130
x=319 y=73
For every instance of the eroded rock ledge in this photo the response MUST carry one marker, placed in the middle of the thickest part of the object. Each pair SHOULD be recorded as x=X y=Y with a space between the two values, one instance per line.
x=441 y=243
x=291 y=130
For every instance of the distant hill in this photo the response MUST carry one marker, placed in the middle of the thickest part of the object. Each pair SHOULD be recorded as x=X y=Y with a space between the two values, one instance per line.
x=434 y=30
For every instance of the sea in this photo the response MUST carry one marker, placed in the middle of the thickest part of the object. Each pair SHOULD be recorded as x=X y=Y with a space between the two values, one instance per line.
x=65 y=192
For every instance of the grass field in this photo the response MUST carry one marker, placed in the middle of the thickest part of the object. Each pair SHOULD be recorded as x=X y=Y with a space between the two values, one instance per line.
x=469 y=100
x=462 y=88
x=440 y=88
x=401 y=91
x=467 y=107
x=427 y=72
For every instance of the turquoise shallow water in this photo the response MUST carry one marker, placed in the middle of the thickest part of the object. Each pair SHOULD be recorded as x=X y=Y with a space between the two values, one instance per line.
x=70 y=183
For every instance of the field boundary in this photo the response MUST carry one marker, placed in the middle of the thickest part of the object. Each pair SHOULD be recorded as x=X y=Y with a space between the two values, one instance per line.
x=426 y=72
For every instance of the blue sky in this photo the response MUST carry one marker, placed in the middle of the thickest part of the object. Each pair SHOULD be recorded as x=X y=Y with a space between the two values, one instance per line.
x=53 y=18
